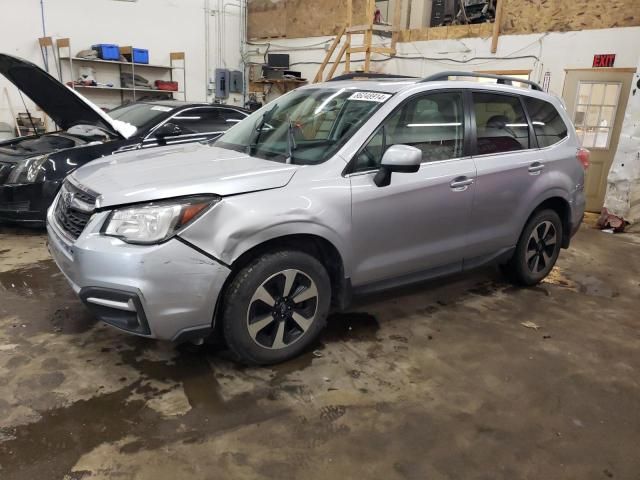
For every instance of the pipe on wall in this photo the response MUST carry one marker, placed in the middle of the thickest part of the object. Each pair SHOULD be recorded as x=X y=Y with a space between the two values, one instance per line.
x=207 y=48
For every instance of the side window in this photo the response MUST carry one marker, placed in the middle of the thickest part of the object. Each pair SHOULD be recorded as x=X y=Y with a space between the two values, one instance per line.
x=500 y=122
x=547 y=122
x=433 y=123
x=201 y=120
x=230 y=118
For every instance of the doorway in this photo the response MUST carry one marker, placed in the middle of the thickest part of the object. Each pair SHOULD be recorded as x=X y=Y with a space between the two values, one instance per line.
x=596 y=101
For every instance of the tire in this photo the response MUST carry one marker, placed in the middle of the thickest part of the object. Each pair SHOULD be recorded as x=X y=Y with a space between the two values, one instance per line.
x=262 y=323
x=537 y=249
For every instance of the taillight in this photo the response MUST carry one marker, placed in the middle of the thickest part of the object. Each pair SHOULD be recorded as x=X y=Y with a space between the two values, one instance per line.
x=583 y=157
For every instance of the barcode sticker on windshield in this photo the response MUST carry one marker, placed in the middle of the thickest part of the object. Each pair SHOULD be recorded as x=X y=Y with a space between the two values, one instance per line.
x=160 y=108
x=370 y=96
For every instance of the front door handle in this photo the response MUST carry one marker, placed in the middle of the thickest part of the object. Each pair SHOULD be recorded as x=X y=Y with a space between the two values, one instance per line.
x=460 y=184
x=535 y=168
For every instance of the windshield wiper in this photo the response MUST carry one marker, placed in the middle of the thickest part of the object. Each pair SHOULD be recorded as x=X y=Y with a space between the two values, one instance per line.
x=266 y=116
x=291 y=142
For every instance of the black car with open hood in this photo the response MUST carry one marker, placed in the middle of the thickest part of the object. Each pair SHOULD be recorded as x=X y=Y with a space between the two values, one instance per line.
x=32 y=168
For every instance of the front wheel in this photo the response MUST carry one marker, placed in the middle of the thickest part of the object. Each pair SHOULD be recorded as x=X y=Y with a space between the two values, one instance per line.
x=275 y=307
x=537 y=249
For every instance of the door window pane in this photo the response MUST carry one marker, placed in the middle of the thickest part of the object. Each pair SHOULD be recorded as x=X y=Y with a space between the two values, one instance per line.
x=584 y=93
x=596 y=112
x=602 y=137
x=611 y=94
x=501 y=123
x=433 y=123
x=606 y=117
x=547 y=122
x=593 y=112
x=597 y=94
x=581 y=113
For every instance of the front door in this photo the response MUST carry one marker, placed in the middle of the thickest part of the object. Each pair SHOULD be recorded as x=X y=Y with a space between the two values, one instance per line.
x=596 y=100
x=419 y=221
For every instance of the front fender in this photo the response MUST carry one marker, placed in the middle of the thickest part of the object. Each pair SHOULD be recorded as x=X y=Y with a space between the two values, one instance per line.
x=239 y=223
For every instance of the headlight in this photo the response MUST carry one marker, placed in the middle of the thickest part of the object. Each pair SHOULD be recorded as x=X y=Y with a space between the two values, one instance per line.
x=28 y=171
x=157 y=221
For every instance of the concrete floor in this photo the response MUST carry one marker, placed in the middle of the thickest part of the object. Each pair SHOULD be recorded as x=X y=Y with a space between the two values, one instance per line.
x=440 y=381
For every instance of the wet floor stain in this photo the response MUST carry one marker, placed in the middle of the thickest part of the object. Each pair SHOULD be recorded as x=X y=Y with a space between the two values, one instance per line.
x=63 y=435
x=36 y=279
x=586 y=284
x=350 y=327
x=40 y=295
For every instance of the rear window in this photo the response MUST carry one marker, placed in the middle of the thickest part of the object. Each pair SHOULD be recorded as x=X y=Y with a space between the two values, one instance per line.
x=501 y=123
x=547 y=122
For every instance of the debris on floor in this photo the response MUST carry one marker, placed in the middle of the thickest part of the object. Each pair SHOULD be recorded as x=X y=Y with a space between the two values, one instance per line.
x=529 y=324
x=609 y=221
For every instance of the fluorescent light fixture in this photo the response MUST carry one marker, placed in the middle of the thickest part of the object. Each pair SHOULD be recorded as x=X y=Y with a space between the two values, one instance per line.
x=452 y=124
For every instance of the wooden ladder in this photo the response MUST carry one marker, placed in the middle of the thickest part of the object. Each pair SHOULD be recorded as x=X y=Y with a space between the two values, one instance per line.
x=367 y=48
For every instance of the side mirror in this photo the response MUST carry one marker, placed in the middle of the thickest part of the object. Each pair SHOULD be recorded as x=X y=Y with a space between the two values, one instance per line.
x=397 y=158
x=167 y=130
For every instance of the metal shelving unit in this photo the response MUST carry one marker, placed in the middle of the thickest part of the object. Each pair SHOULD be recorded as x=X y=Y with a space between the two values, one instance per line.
x=176 y=64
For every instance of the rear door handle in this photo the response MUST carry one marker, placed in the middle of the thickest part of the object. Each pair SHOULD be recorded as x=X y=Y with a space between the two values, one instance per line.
x=460 y=184
x=535 y=168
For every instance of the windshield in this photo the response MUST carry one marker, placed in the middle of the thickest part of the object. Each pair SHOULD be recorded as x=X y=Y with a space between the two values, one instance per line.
x=305 y=126
x=140 y=114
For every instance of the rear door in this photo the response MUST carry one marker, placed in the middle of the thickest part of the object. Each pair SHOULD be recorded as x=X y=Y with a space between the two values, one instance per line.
x=508 y=165
x=596 y=101
x=419 y=222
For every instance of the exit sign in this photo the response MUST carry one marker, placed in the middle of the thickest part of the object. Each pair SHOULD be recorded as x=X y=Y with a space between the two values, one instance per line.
x=604 y=60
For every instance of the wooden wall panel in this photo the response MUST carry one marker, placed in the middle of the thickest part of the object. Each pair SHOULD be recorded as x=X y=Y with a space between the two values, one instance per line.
x=482 y=30
x=312 y=18
x=301 y=18
x=534 y=16
x=266 y=18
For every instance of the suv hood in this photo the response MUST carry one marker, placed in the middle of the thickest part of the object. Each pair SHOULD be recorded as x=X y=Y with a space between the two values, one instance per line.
x=65 y=106
x=176 y=171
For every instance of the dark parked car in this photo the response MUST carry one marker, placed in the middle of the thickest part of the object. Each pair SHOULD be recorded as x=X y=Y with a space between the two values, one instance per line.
x=32 y=168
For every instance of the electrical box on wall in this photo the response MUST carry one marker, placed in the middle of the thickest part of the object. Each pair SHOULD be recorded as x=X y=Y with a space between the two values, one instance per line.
x=237 y=83
x=222 y=82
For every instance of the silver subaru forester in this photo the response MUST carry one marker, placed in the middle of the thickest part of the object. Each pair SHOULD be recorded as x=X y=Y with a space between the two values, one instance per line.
x=331 y=190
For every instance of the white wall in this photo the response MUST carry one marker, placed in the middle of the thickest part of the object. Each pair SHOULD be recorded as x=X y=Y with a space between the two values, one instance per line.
x=623 y=182
x=553 y=52
x=162 y=26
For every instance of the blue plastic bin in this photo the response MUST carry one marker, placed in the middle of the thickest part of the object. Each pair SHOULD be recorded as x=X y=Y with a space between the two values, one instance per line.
x=107 y=51
x=140 y=55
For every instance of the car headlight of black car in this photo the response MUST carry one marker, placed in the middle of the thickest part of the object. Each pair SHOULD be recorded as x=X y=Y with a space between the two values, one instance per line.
x=29 y=170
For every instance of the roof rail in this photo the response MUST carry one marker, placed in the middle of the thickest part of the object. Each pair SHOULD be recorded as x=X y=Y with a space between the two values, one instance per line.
x=365 y=75
x=501 y=79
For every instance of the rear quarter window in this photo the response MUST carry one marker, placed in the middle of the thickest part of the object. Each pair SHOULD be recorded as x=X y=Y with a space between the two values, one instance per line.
x=547 y=122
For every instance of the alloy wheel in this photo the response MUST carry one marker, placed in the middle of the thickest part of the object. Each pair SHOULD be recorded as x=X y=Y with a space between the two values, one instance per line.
x=541 y=247
x=282 y=309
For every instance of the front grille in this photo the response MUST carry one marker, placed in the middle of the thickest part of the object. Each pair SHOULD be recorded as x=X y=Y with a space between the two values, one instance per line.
x=22 y=206
x=5 y=171
x=74 y=209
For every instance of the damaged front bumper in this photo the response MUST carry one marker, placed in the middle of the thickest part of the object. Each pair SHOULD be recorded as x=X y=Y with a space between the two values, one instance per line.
x=166 y=291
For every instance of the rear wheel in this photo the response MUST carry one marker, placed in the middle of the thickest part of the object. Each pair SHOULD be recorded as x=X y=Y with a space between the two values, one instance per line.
x=275 y=307
x=537 y=249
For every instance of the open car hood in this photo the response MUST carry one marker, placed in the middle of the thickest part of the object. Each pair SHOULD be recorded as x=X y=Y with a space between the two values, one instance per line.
x=176 y=171
x=65 y=106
